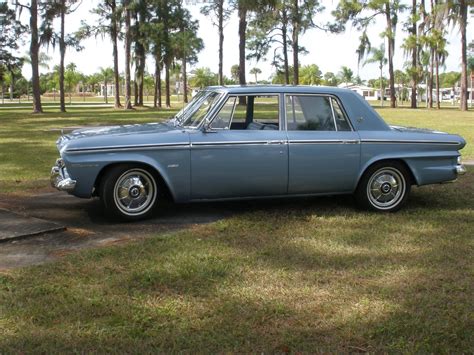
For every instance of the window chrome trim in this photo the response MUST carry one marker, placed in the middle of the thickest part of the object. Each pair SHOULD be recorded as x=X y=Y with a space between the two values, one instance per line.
x=346 y=117
x=231 y=117
x=333 y=115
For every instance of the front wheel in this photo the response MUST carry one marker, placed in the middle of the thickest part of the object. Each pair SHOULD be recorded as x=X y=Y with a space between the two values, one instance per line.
x=384 y=187
x=129 y=192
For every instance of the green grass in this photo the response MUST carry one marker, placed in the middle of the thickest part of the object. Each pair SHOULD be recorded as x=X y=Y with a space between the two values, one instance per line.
x=302 y=275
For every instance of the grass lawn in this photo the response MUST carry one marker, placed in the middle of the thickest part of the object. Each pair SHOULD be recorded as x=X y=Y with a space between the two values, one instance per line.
x=288 y=275
x=301 y=275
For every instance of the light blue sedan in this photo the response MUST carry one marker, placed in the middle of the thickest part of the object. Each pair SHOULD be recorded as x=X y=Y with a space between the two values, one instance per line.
x=254 y=142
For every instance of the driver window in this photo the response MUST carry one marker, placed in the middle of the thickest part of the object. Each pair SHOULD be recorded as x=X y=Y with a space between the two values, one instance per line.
x=224 y=117
x=256 y=112
x=309 y=113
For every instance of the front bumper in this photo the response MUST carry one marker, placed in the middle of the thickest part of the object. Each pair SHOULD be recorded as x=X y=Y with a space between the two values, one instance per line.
x=60 y=178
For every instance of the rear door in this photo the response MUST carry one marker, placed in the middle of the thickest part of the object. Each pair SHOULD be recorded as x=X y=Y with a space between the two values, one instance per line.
x=324 y=150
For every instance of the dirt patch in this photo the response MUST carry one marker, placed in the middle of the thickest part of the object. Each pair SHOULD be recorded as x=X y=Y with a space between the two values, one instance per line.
x=86 y=225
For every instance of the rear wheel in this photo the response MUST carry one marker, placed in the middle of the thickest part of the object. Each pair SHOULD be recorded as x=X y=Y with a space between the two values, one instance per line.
x=384 y=187
x=129 y=192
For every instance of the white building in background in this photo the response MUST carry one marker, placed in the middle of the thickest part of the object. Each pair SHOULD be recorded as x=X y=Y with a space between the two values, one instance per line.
x=366 y=92
x=109 y=89
x=445 y=94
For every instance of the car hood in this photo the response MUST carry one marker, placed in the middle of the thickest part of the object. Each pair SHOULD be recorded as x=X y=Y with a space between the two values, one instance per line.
x=123 y=129
x=96 y=136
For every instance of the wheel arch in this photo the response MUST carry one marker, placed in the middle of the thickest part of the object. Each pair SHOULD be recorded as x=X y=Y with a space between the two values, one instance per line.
x=162 y=181
x=413 y=179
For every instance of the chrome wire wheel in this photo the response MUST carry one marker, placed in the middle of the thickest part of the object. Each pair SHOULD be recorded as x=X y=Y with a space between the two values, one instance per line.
x=386 y=188
x=135 y=192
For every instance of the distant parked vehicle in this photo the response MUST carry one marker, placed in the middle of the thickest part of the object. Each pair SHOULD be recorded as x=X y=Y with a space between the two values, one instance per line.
x=252 y=142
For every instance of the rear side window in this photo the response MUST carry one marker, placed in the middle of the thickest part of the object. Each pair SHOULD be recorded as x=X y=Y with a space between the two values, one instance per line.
x=309 y=113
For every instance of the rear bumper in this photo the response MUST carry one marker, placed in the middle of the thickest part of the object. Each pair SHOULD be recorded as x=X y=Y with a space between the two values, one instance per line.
x=60 y=178
x=460 y=169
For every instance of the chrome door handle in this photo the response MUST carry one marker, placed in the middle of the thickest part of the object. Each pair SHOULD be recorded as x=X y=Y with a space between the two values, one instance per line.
x=275 y=142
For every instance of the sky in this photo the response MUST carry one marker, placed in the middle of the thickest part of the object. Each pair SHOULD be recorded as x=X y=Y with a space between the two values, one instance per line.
x=328 y=51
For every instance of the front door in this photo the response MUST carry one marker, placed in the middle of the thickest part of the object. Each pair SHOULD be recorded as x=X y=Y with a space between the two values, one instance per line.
x=324 y=151
x=243 y=153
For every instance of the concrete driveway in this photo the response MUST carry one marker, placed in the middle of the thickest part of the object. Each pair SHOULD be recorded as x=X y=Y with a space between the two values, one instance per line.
x=85 y=225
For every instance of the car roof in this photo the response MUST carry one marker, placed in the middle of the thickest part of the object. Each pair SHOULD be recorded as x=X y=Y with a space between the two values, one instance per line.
x=302 y=89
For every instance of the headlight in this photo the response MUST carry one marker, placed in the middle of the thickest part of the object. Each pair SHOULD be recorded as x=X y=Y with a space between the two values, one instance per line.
x=459 y=160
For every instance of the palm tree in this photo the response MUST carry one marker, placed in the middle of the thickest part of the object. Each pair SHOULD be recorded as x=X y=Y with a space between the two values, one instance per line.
x=346 y=75
x=438 y=43
x=127 y=44
x=456 y=13
x=203 y=77
x=216 y=7
x=401 y=79
x=451 y=79
x=310 y=75
x=107 y=75
x=108 y=25
x=43 y=62
x=59 y=9
x=255 y=71
x=378 y=56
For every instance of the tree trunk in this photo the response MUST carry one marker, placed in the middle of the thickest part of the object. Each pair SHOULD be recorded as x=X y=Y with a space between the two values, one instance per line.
x=167 y=85
x=105 y=94
x=430 y=81
x=157 y=88
x=113 y=35
x=62 y=51
x=135 y=90
x=284 y=33
x=221 y=41
x=381 y=86
x=391 y=50
x=295 y=36
x=140 y=57
x=34 y=54
x=438 y=105
x=185 y=80
x=242 y=40
x=128 y=89
x=12 y=80
x=462 y=26
x=3 y=92
x=414 y=57
x=472 y=90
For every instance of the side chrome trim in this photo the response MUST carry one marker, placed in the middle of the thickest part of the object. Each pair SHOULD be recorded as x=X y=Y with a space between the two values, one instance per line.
x=390 y=141
x=129 y=147
x=325 y=141
x=233 y=143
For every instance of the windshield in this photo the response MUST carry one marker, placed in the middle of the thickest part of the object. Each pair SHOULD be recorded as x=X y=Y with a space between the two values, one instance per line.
x=193 y=114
